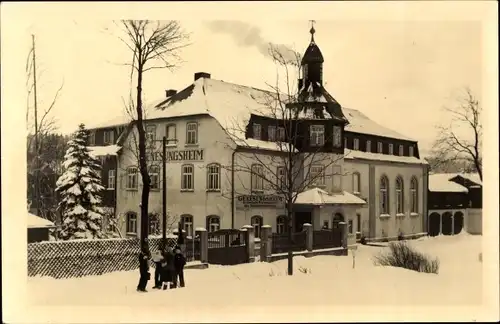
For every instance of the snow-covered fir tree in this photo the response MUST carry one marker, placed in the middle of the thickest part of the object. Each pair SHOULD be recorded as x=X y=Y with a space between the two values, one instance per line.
x=80 y=187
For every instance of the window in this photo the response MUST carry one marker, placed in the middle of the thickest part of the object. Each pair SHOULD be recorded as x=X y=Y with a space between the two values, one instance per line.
x=356 y=144
x=213 y=223
x=337 y=136
x=256 y=131
x=355 y=183
x=108 y=137
x=358 y=223
x=391 y=149
x=384 y=197
x=187 y=179
x=281 y=175
x=337 y=178
x=131 y=222
x=281 y=227
x=191 y=133
x=411 y=150
x=317 y=135
x=368 y=146
x=414 y=196
x=271 y=133
x=326 y=224
x=379 y=147
x=317 y=175
x=171 y=134
x=399 y=196
x=111 y=179
x=187 y=224
x=213 y=177
x=151 y=134
x=91 y=138
x=281 y=134
x=132 y=178
x=401 y=150
x=154 y=175
x=350 y=226
x=257 y=178
x=257 y=225
x=154 y=224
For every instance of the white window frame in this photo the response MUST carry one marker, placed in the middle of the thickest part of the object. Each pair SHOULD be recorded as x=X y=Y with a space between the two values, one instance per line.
x=410 y=149
x=109 y=139
x=91 y=138
x=337 y=178
x=271 y=133
x=155 y=173
x=414 y=196
x=187 y=224
x=213 y=177
x=131 y=223
x=281 y=178
x=368 y=146
x=356 y=144
x=399 y=195
x=171 y=141
x=281 y=224
x=356 y=183
x=111 y=179
x=380 y=147
x=187 y=177
x=337 y=136
x=132 y=178
x=213 y=223
x=191 y=133
x=401 y=150
x=257 y=178
x=391 y=149
x=281 y=134
x=151 y=135
x=257 y=131
x=384 y=195
x=317 y=175
x=317 y=135
x=257 y=221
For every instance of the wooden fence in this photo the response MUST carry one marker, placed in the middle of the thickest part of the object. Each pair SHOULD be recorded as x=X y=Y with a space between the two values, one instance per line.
x=281 y=242
x=324 y=239
x=227 y=247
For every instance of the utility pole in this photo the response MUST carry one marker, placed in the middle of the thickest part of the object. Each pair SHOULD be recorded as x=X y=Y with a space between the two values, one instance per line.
x=37 y=171
x=164 y=189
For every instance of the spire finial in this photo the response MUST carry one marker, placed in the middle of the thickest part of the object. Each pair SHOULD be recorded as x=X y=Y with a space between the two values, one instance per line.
x=312 y=30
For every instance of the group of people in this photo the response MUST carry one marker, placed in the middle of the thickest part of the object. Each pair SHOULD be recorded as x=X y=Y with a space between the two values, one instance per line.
x=169 y=268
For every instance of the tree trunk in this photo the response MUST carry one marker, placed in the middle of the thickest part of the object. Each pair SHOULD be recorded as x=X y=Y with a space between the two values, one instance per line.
x=290 y=236
x=142 y=159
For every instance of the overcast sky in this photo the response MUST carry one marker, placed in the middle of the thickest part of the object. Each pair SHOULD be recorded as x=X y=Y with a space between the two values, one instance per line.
x=399 y=72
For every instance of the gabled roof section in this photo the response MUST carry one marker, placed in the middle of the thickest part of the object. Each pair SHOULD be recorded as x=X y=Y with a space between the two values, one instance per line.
x=440 y=182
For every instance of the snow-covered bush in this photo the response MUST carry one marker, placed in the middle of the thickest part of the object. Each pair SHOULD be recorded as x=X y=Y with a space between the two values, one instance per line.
x=80 y=188
x=403 y=255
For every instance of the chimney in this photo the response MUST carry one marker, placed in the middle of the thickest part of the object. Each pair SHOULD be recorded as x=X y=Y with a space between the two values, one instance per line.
x=198 y=75
x=170 y=92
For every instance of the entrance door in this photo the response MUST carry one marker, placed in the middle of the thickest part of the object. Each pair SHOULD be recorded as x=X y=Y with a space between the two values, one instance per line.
x=300 y=219
x=337 y=229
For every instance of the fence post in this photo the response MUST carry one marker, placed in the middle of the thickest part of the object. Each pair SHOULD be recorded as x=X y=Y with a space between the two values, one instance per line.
x=250 y=242
x=203 y=245
x=343 y=226
x=265 y=243
x=309 y=236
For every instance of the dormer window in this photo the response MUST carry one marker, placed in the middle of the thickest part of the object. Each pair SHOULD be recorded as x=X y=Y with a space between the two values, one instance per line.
x=356 y=144
x=317 y=135
x=271 y=133
x=391 y=149
x=337 y=136
x=91 y=138
x=368 y=146
x=379 y=147
x=401 y=150
x=256 y=131
x=108 y=137
x=411 y=150
x=281 y=134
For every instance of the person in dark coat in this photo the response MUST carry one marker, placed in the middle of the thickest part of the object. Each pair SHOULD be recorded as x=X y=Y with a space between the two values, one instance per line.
x=179 y=263
x=167 y=268
x=144 y=256
x=157 y=259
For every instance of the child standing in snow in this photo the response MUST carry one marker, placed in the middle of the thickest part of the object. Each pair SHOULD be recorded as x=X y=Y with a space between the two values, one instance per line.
x=179 y=263
x=167 y=267
x=157 y=259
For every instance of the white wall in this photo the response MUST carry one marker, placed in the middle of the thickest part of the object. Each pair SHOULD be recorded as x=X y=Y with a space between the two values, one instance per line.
x=474 y=221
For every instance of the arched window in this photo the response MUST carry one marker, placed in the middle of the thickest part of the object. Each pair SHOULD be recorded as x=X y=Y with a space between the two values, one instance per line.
x=281 y=224
x=187 y=224
x=132 y=222
x=213 y=177
x=356 y=185
x=384 y=195
x=414 y=196
x=213 y=223
x=399 y=195
x=257 y=222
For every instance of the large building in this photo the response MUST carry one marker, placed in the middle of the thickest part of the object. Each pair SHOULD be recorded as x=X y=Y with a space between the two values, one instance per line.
x=224 y=142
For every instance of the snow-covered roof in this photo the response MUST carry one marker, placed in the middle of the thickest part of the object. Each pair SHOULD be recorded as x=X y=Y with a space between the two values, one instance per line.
x=35 y=221
x=473 y=177
x=360 y=123
x=353 y=155
x=117 y=120
x=317 y=196
x=440 y=182
x=96 y=151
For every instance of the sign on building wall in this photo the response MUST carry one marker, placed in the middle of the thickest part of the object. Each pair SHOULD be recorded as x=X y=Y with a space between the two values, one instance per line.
x=245 y=201
x=182 y=156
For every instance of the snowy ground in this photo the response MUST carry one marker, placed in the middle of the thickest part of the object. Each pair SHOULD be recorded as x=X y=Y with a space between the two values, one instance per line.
x=331 y=286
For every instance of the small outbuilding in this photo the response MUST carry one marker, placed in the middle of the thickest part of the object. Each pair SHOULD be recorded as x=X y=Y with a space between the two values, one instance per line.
x=38 y=228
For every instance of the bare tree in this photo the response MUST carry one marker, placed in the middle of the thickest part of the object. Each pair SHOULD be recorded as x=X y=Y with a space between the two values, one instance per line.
x=466 y=116
x=285 y=170
x=154 y=45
